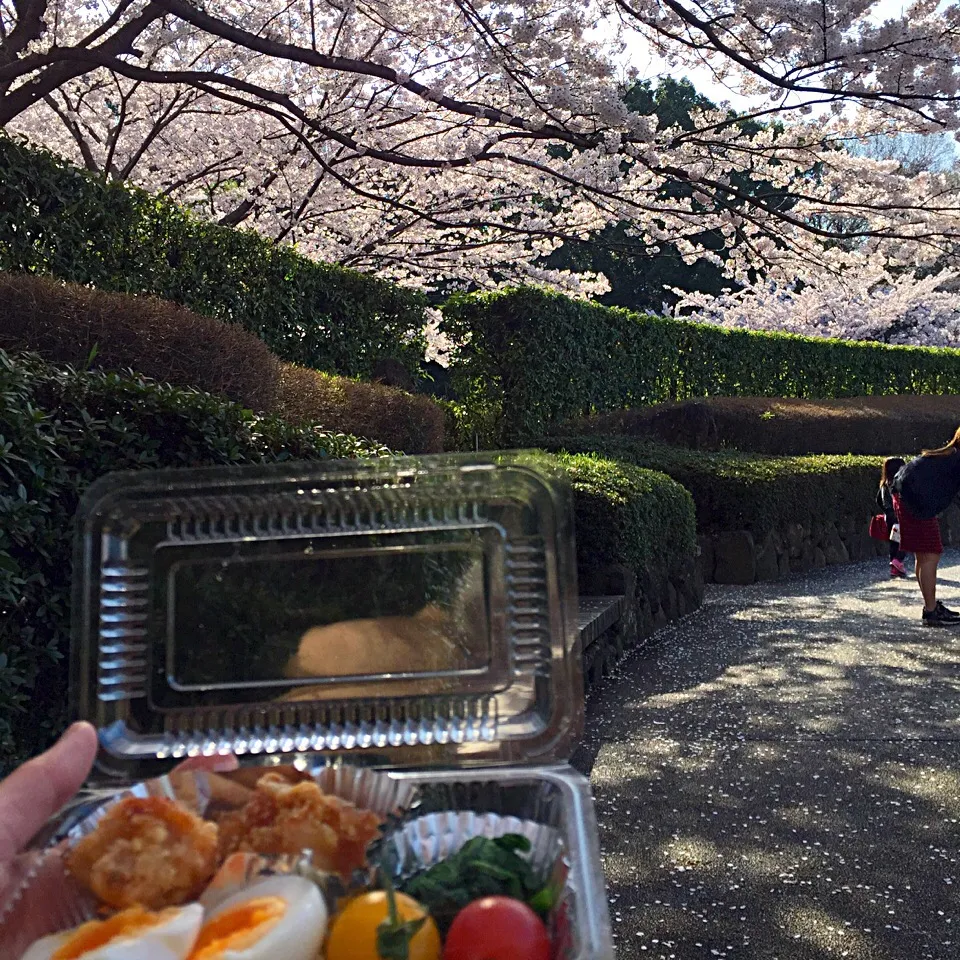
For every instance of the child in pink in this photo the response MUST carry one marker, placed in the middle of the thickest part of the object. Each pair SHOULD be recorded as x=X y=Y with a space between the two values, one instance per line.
x=885 y=502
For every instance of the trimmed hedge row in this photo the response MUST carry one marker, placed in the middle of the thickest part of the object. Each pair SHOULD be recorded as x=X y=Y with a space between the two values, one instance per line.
x=534 y=358
x=71 y=324
x=83 y=327
x=737 y=491
x=59 y=430
x=636 y=538
x=60 y=220
x=401 y=420
x=785 y=427
x=625 y=514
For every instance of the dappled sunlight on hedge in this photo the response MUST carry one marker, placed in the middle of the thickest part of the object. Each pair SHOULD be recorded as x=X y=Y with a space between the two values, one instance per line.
x=734 y=491
x=403 y=421
x=535 y=358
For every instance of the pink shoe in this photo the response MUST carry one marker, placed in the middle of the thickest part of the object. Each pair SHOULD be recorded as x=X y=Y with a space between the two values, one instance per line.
x=897 y=569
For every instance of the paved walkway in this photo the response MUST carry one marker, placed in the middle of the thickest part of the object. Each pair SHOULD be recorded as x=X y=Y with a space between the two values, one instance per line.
x=780 y=778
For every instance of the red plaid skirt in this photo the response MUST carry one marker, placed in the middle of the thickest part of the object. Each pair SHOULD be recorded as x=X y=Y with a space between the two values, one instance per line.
x=917 y=536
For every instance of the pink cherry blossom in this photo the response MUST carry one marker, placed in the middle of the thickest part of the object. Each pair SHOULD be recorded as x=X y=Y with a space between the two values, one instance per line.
x=457 y=143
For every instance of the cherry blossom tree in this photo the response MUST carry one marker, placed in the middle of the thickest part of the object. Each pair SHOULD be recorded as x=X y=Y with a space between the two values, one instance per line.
x=867 y=305
x=465 y=140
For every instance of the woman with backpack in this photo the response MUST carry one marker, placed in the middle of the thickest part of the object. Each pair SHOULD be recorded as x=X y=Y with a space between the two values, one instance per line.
x=922 y=489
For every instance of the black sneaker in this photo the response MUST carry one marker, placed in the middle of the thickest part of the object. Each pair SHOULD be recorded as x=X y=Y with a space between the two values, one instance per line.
x=947 y=612
x=938 y=618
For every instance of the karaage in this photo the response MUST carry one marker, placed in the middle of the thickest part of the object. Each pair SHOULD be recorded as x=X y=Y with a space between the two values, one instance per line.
x=146 y=851
x=286 y=818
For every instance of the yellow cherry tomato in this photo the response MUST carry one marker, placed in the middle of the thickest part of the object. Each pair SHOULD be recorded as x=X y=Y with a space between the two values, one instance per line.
x=353 y=935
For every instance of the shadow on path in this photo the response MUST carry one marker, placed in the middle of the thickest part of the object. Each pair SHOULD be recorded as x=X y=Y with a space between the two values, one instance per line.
x=779 y=777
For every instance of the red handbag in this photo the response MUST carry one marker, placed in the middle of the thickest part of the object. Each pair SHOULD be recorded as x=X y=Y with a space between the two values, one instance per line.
x=878 y=528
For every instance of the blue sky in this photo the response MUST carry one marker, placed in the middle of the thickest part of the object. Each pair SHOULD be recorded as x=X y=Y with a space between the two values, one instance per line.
x=640 y=56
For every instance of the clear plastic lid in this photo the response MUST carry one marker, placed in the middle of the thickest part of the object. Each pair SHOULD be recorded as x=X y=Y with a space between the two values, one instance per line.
x=404 y=612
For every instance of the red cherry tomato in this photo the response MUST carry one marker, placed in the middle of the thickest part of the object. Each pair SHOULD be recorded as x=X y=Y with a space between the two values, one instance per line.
x=497 y=928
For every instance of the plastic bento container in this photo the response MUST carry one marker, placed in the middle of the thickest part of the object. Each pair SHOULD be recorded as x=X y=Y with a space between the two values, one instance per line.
x=412 y=616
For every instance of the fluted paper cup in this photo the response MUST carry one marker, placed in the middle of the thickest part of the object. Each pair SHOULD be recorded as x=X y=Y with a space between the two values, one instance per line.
x=420 y=843
x=424 y=841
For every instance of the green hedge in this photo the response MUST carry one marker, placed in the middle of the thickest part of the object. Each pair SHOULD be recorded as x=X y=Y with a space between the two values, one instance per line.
x=534 y=359
x=60 y=220
x=628 y=515
x=737 y=491
x=60 y=430
x=80 y=326
x=403 y=421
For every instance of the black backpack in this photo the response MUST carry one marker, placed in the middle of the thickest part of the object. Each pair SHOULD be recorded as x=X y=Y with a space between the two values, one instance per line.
x=927 y=485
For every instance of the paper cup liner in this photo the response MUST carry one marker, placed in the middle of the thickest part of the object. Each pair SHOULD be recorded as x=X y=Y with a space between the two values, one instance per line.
x=424 y=841
x=421 y=842
x=40 y=897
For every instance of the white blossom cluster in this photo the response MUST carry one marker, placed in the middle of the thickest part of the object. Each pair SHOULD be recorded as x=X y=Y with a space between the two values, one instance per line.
x=461 y=141
x=440 y=347
x=903 y=311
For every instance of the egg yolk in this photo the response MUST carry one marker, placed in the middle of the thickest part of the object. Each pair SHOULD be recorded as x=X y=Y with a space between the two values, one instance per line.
x=238 y=928
x=98 y=933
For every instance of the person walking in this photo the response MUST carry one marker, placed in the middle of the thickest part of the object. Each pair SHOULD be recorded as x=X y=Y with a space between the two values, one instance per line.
x=891 y=467
x=922 y=489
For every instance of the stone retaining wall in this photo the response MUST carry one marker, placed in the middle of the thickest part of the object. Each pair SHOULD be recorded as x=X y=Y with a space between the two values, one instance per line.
x=656 y=598
x=743 y=556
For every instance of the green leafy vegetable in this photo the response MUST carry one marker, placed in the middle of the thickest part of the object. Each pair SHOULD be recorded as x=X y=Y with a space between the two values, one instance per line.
x=481 y=868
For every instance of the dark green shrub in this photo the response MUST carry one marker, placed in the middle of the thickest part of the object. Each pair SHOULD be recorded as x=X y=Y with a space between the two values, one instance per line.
x=628 y=515
x=68 y=323
x=534 y=358
x=401 y=420
x=736 y=491
x=469 y=427
x=57 y=219
x=60 y=430
x=786 y=426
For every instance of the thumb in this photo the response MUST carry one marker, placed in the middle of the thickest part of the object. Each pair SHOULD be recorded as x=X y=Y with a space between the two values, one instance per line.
x=35 y=791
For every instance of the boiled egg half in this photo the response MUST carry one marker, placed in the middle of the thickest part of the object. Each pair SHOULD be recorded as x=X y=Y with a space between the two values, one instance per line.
x=279 y=917
x=134 y=933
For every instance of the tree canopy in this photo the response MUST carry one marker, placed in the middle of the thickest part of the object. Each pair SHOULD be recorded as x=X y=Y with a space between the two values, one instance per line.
x=466 y=140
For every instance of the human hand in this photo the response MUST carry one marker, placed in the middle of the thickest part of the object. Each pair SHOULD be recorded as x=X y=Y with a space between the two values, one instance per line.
x=35 y=791
x=29 y=797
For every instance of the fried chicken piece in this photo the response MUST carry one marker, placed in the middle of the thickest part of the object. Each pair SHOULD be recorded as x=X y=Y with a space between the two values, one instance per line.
x=285 y=818
x=146 y=851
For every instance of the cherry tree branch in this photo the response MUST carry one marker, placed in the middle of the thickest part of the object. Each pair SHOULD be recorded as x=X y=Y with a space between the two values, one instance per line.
x=715 y=42
x=60 y=65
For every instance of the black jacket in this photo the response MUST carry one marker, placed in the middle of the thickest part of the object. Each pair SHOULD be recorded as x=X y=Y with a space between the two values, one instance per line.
x=885 y=499
x=928 y=485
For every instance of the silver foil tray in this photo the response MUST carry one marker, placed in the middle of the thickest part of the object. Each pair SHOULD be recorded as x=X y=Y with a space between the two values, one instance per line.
x=555 y=796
